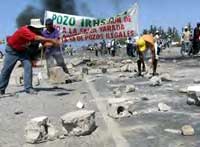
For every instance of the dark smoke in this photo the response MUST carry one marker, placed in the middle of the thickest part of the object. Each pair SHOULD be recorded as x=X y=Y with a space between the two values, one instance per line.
x=85 y=10
x=29 y=12
x=61 y=6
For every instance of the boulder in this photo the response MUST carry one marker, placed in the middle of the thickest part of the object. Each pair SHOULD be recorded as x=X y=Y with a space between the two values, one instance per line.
x=128 y=68
x=35 y=130
x=163 y=107
x=130 y=88
x=155 y=81
x=187 y=130
x=57 y=75
x=119 y=108
x=79 y=123
x=166 y=78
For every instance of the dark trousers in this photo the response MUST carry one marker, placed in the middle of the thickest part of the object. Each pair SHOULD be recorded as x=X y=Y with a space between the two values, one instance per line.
x=59 y=60
x=11 y=57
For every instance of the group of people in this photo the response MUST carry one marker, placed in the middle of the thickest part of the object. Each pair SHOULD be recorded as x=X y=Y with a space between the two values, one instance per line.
x=19 y=43
x=103 y=48
x=18 y=46
x=191 y=41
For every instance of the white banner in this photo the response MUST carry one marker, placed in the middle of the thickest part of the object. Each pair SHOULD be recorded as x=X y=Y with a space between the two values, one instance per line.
x=80 y=28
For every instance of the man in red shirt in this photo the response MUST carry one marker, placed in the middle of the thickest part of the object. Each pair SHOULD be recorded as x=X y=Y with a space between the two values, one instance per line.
x=16 y=50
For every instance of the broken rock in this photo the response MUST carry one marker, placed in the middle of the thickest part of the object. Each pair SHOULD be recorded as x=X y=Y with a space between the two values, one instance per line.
x=155 y=81
x=35 y=130
x=118 y=108
x=166 y=78
x=187 y=130
x=79 y=123
x=57 y=75
x=163 y=107
x=130 y=88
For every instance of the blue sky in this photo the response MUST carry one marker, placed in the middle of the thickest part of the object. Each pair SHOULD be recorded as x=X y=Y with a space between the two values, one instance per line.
x=158 y=12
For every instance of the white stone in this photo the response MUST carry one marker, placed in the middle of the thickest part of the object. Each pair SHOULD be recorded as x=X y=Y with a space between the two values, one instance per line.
x=127 y=61
x=80 y=105
x=195 y=88
x=183 y=90
x=52 y=133
x=69 y=66
x=187 y=130
x=35 y=130
x=118 y=108
x=57 y=75
x=166 y=78
x=130 y=88
x=173 y=131
x=36 y=81
x=155 y=81
x=78 y=123
x=163 y=107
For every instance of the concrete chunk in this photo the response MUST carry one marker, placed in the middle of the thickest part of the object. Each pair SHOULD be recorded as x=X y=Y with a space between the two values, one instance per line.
x=79 y=123
x=130 y=88
x=155 y=81
x=163 y=107
x=187 y=130
x=35 y=130
x=57 y=75
x=118 y=108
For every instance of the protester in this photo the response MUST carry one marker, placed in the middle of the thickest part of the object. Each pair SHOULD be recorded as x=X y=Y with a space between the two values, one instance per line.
x=158 y=42
x=108 y=46
x=53 y=52
x=129 y=47
x=186 y=39
x=113 y=47
x=143 y=43
x=96 y=49
x=196 y=38
x=16 y=50
x=71 y=50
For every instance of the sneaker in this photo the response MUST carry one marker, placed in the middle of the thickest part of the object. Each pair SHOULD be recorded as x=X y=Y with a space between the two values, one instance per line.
x=31 y=91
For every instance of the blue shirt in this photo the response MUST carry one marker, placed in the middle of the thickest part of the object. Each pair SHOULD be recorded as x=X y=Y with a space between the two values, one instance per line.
x=52 y=35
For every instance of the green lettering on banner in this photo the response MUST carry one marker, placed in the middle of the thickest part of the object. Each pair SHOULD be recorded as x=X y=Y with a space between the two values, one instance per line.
x=103 y=21
x=96 y=22
x=59 y=19
x=72 y=21
x=88 y=23
x=65 y=20
x=54 y=17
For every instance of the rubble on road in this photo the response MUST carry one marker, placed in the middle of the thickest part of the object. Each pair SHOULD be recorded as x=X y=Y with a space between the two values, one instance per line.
x=155 y=81
x=130 y=88
x=163 y=107
x=57 y=75
x=81 y=122
x=119 y=108
x=187 y=130
x=39 y=129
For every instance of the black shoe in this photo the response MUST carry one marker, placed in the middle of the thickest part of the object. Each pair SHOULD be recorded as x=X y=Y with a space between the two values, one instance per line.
x=2 y=92
x=155 y=74
x=31 y=91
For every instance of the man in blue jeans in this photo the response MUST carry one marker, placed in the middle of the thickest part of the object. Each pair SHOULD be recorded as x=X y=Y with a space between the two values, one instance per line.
x=16 y=50
x=53 y=52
